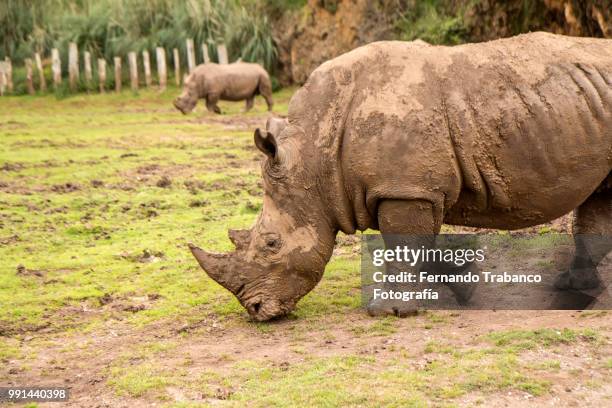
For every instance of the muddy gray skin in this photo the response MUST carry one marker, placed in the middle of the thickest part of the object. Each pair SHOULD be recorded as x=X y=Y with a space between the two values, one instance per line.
x=229 y=82
x=403 y=137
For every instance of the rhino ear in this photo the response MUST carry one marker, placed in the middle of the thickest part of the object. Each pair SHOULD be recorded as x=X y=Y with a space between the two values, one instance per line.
x=266 y=142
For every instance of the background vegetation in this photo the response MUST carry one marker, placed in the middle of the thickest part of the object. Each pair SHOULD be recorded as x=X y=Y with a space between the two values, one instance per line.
x=273 y=32
x=432 y=21
x=113 y=27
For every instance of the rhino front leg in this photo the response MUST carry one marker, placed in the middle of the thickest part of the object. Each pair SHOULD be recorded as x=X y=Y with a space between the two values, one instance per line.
x=211 y=103
x=592 y=232
x=403 y=222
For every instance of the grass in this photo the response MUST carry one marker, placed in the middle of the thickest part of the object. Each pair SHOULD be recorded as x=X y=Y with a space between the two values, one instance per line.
x=531 y=339
x=357 y=380
x=138 y=380
x=84 y=188
x=380 y=327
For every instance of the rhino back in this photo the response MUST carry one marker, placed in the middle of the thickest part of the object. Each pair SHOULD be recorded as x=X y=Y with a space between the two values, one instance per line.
x=236 y=81
x=503 y=128
x=532 y=133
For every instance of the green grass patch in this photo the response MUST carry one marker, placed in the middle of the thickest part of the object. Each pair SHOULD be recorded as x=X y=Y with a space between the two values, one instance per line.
x=99 y=207
x=532 y=339
x=380 y=327
x=139 y=380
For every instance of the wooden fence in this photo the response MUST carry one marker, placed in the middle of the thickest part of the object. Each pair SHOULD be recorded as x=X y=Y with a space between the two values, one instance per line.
x=76 y=67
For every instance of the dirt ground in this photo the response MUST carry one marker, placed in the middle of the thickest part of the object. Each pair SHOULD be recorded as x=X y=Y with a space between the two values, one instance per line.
x=98 y=293
x=580 y=379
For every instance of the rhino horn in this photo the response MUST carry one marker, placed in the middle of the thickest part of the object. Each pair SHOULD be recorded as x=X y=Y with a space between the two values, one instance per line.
x=218 y=267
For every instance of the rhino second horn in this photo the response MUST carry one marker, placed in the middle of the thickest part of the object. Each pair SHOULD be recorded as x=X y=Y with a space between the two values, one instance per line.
x=240 y=238
x=215 y=265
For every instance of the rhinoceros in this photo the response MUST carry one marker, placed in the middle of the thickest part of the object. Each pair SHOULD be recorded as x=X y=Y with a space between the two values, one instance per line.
x=402 y=137
x=228 y=82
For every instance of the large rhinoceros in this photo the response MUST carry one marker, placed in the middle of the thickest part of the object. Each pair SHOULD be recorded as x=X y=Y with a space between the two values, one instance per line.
x=403 y=137
x=229 y=82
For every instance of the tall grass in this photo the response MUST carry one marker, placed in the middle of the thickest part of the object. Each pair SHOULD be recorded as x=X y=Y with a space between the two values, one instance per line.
x=113 y=27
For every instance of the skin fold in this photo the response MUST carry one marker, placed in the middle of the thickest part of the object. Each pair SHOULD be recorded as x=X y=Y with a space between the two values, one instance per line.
x=229 y=82
x=403 y=136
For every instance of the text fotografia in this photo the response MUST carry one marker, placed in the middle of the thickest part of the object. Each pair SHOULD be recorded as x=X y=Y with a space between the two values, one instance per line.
x=405 y=296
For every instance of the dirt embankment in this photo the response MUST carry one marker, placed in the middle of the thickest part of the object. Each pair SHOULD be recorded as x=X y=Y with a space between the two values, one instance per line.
x=324 y=29
x=489 y=19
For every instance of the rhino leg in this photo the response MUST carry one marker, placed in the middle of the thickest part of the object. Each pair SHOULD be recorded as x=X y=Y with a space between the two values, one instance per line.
x=592 y=232
x=249 y=103
x=211 y=103
x=265 y=89
x=403 y=222
x=268 y=98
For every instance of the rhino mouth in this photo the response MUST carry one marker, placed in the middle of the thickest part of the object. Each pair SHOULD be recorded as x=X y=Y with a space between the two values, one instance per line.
x=179 y=107
x=265 y=310
x=224 y=268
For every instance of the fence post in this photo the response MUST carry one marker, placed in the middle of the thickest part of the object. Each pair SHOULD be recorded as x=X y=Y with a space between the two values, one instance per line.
x=222 y=53
x=102 y=74
x=56 y=67
x=205 y=56
x=177 y=67
x=117 y=61
x=162 y=74
x=73 y=65
x=133 y=63
x=146 y=61
x=191 y=61
x=9 y=74
x=2 y=78
x=87 y=67
x=41 y=74
x=29 y=82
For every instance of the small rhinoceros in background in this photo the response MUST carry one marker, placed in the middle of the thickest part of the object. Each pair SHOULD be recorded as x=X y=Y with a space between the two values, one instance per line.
x=404 y=137
x=228 y=82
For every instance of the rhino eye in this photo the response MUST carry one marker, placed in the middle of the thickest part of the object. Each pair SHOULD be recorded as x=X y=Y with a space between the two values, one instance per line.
x=272 y=242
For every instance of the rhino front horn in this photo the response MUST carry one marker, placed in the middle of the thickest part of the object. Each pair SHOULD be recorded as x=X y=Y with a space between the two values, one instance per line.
x=217 y=266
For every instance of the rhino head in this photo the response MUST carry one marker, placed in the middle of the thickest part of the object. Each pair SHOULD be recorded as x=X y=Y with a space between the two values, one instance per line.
x=283 y=256
x=188 y=98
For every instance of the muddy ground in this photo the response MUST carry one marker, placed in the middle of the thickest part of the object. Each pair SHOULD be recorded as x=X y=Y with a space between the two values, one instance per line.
x=99 y=196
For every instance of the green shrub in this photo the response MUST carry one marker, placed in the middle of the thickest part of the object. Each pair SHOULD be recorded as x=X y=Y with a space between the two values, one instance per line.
x=430 y=21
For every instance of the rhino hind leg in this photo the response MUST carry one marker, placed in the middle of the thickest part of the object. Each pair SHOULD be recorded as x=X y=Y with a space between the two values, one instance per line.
x=249 y=103
x=265 y=90
x=592 y=232
x=269 y=102
x=403 y=222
